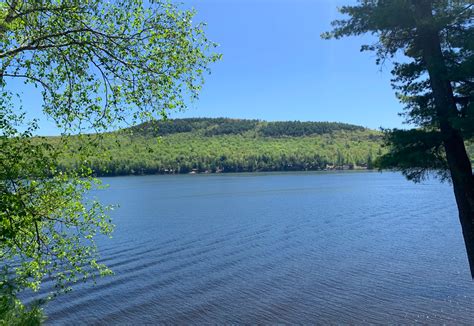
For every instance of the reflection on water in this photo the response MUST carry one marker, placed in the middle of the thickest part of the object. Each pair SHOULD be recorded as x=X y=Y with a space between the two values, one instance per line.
x=277 y=248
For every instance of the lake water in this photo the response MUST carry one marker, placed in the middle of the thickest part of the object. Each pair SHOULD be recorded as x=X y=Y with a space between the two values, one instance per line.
x=277 y=248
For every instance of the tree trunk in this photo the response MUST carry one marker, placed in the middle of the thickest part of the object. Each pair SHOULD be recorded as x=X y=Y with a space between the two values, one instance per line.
x=458 y=161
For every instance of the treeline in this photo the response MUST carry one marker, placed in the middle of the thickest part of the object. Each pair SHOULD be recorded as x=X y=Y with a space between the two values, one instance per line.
x=199 y=151
x=299 y=129
x=224 y=126
x=201 y=145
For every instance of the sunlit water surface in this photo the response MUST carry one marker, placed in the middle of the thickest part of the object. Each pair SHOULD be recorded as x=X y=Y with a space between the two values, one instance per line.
x=277 y=248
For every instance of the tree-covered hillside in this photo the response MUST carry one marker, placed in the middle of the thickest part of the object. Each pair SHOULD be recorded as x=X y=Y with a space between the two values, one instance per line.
x=226 y=126
x=200 y=145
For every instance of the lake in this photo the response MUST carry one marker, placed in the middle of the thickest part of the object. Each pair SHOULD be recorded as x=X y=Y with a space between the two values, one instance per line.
x=335 y=247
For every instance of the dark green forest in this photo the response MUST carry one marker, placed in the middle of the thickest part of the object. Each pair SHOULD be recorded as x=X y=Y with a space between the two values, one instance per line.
x=210 y=145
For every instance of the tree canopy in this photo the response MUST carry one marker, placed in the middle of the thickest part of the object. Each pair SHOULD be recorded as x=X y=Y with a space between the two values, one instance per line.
x=397 y=25
x=226 y=126
x=228 y=145
x=98 y=64
x=434 y=79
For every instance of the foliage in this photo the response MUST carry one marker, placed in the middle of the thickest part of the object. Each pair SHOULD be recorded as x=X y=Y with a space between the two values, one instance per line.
x=98 y=64
x=400 y=30
x=47 y=227
x=206 y=148
x=298 y=129
x=416 y=153
x=435 y=82
x=210 y=127
x=14 y=313
x=226 y=126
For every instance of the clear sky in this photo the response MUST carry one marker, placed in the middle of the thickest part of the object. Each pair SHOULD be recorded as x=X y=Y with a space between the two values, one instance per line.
x=275 y=66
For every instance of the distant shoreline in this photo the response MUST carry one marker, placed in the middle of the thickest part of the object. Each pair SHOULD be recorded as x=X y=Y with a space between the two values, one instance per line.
x=250 y=173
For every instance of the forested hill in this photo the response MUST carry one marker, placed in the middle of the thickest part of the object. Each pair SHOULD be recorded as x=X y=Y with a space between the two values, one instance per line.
x=225 y=126
x=203 y=145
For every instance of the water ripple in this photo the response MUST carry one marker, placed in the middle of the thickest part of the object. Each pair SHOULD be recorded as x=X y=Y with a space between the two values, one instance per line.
x=291 y=249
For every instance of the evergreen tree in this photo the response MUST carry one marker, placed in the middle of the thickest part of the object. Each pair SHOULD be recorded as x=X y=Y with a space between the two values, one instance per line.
x=435 y=82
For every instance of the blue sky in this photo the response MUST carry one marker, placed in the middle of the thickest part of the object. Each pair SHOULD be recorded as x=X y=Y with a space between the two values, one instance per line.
x=275 y=66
